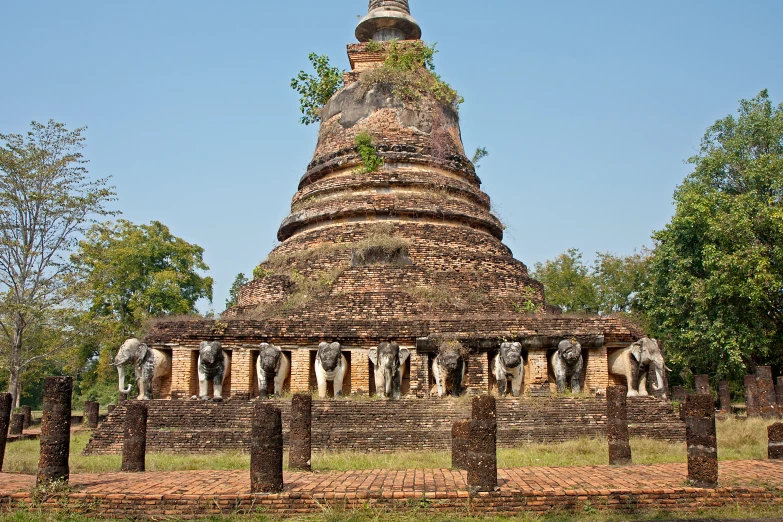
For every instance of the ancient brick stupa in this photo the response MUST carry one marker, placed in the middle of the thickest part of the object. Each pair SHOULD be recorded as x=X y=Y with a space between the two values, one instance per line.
x=408 y=251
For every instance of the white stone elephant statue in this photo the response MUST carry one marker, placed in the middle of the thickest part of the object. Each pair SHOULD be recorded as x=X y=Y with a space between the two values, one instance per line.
x=330 y=365
x=507 y=367
x=449 y=369
x=149 y=364
x=212 y=365
x=566 y=363
x=635 y=362
x=388 y=361
x=271 y=364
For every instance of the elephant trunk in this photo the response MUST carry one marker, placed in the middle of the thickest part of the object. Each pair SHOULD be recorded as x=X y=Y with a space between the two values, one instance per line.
x=387 y=384
x=658 y=384
x=121 y=374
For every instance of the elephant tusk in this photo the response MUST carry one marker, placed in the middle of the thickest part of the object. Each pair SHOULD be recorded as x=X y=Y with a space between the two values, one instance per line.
x=667 y=368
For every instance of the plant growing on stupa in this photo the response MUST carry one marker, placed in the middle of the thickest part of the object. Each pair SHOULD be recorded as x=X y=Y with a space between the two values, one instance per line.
x=315 y=90
x=409 y=71
x=371 y=160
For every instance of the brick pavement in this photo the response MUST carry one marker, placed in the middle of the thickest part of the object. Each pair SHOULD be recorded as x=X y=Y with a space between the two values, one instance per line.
x=196 y=493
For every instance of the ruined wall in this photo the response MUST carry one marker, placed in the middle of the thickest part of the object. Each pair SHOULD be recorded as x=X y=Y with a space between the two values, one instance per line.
x=384 y=426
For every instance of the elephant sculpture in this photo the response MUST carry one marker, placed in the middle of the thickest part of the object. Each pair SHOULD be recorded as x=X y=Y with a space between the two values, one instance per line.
x=507 y=366
x=449 y=369
x=271 y=364
x=149 y=363
x=212 y=365
x=388 y=361
x=330 y=365
x=566 y=363
x=635 y=362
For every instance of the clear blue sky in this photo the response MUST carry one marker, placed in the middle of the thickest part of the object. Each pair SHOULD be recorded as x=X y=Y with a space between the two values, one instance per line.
x=588 y=109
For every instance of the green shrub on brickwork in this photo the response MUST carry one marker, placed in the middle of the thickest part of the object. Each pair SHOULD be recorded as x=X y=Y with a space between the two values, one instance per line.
x=371 y=160
x=409 y=71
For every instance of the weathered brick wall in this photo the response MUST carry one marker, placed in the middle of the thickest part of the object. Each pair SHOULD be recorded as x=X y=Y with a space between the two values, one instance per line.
x=378 y=425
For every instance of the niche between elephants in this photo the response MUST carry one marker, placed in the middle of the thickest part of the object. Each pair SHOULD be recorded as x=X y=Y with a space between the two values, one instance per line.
x=253 y=376
x=551 y=379
x=193 y=377
x=330 y=385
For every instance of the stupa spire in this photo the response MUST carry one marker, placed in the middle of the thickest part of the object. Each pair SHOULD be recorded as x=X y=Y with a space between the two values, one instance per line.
x=388 y=20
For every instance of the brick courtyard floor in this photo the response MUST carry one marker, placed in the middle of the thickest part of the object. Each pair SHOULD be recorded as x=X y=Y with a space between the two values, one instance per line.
x=536 y=488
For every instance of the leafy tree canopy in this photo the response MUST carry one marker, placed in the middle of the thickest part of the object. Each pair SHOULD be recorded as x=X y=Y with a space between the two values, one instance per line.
x=47 y=200
x=716 y=275
x=138 y=271
x=609 y=286
x=233 y=292
x=315 y=90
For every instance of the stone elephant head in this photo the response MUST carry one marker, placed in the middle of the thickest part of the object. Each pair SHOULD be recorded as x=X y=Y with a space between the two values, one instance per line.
x=648 y=356
x=269 y=359
x=388 y=359
x=133 y=352
x=511 y=354
x=569 y=351
x=329 y=355
x=210 y=353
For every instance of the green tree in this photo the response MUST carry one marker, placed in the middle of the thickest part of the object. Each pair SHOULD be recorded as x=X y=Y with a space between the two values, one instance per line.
x=47 y=201
x=233 y=293
x=716 y=274
x=617 y=280
x=568 y=283
x=134 y=272
x=316 y=90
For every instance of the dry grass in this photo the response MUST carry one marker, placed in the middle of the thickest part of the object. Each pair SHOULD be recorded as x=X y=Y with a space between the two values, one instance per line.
x=737 y=439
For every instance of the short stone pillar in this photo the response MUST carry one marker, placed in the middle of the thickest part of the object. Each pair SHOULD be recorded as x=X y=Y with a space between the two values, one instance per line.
x=703 y=385
x=460 y=444
x=775 y=441
x=109 y=409
x=779 y=394
x=55 y=430
x=482 y=457
x=300 y=435
x=91 y=408
x=17 y=424
x=751 y=396
x=5 y=422
x=134 y=444
x=701 y=440
x=122 y=397
x=617 y=425
x=266 y=449
x=678 y=393
x=27 y=411
x=724 y=396
x=766 y=391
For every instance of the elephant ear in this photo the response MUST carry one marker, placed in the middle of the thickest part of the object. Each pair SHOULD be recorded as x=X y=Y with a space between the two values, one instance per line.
x=517 y=345
x=202 y=345
x=636 y=350
x=373 y=355
x=404 y=354
x=143 y=351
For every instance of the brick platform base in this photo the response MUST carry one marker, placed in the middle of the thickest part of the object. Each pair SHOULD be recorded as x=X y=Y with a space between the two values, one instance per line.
x=190 y=494
x=413 y=424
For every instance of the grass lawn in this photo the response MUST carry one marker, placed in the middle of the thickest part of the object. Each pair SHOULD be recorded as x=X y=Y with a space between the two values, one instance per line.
x=737 y=439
